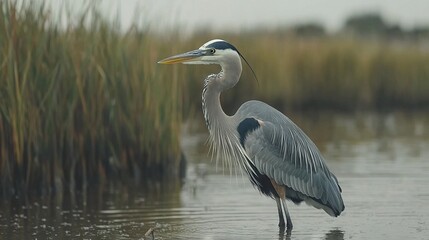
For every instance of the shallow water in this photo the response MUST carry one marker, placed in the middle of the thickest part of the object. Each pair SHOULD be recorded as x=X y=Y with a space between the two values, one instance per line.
x=381 y=161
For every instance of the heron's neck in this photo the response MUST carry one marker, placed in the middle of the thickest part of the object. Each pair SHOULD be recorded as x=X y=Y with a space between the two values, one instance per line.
x=214 y=85
x=213 y=113
x=224 y=138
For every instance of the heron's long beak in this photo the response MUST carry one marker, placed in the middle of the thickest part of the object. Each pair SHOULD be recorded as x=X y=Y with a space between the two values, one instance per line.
x=187 y=57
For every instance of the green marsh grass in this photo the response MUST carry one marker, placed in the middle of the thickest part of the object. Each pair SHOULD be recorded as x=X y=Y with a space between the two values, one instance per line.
x=83 y=103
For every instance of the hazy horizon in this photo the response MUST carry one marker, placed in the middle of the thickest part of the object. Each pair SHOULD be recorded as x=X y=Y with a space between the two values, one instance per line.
x=240 y=14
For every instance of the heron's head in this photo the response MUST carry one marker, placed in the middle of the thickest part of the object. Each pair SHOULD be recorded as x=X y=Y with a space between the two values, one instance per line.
x=215 y=51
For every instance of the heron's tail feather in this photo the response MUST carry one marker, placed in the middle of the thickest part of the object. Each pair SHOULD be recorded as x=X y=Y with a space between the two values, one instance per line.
x=330 y=201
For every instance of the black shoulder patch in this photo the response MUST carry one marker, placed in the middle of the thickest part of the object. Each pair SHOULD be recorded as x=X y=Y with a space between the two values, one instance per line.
x=245 y=127
x=222 y=45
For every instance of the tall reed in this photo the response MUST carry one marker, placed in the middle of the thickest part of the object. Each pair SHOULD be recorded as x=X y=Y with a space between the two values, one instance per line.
x=82 y=103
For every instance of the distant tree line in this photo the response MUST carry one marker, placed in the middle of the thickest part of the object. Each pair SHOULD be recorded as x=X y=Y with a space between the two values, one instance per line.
x=368 y=25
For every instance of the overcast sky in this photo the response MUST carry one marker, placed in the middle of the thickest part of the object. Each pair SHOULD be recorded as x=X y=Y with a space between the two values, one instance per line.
x=245 y=14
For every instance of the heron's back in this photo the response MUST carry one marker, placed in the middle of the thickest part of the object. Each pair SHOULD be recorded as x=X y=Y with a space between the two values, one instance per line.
x=280 y=150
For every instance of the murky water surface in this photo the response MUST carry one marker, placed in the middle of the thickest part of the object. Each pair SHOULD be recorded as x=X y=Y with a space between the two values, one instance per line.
x=381 y=161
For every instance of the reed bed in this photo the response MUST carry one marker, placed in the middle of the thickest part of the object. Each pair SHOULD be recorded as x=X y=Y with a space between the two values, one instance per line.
x=334 y=72
x=82 y=103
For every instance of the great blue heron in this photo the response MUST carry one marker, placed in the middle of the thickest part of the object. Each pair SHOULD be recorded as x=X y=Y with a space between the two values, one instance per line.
x=280 y=160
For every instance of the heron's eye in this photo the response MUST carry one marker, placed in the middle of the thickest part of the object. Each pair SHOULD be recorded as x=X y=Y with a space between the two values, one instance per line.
x=212 y=50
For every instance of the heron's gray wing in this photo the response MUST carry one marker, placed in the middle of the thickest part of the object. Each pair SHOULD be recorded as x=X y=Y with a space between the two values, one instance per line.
x=282 y=151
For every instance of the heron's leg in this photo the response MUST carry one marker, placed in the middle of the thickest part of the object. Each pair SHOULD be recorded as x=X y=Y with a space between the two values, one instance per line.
x=281 y=206
x=280 y=210
x=289 y=224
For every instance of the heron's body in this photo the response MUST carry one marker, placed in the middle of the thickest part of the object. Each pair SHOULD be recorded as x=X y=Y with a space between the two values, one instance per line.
x=280 y=160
